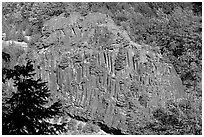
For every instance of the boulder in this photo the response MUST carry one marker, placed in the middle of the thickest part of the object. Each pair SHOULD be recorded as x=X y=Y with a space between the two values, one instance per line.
x=101 y=74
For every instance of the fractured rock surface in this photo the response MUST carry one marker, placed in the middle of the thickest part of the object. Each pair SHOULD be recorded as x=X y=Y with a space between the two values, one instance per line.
x=102 y=75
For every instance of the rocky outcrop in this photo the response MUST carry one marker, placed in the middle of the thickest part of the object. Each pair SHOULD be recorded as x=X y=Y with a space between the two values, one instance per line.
x=102 y=75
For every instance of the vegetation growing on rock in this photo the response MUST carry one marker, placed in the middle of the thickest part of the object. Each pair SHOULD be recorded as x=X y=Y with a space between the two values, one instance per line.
x=127 y=67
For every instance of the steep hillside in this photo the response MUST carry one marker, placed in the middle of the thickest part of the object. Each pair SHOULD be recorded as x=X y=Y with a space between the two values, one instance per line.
x=101 y=75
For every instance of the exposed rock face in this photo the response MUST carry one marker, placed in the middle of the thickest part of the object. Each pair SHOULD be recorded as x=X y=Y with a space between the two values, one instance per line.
x=104 y=76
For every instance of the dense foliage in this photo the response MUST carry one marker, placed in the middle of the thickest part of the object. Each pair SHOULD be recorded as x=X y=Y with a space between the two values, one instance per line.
x=178 y=119
x=174 y=28
x=25 y=108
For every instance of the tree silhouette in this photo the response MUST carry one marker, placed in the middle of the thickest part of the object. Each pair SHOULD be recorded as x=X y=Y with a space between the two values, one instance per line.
x=26 y=110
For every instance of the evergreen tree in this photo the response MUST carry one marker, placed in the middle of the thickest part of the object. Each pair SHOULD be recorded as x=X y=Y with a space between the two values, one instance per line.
x=26 y=110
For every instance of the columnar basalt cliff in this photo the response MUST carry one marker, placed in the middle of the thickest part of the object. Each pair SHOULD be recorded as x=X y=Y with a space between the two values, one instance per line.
x=102 y=75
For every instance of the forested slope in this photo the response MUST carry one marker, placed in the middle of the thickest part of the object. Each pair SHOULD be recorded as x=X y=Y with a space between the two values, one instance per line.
x=129 y=68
